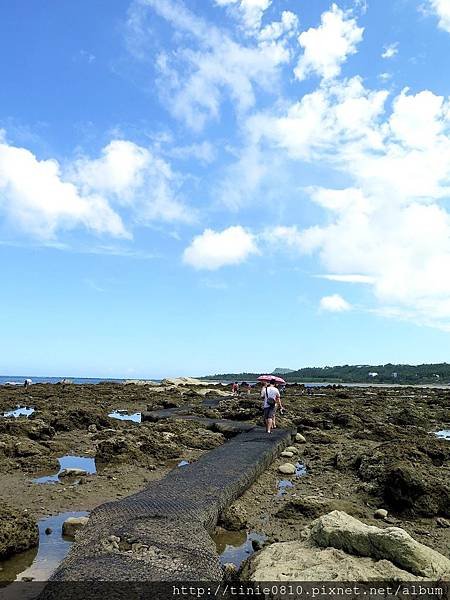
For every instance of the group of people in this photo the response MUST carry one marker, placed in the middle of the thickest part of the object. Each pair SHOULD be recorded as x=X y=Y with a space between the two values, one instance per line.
x=238 y=388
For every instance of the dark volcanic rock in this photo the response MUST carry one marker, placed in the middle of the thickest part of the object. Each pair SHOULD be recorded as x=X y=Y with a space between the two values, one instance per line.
x=79 y=419
x=416 y=491
x=312 y=507
x=18 y=531
x=202 y=438
x=412 y=475
x=115 y=449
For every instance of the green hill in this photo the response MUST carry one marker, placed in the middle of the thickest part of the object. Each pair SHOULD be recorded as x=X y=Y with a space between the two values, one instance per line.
x=389 y=373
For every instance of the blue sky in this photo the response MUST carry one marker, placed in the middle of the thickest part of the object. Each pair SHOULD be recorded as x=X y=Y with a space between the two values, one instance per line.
x=223 y=185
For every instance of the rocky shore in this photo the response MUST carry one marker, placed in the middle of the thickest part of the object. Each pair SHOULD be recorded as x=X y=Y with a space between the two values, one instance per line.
x=369 y=454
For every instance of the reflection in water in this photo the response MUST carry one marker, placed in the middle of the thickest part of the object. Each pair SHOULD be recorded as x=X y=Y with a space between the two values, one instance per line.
x=40 y=563
x=11 y=567
x=443 y=434
x=236 y=546
x=69 y=462
x=124 y=415
x=20 y=411
x=283 y=485
x=300 y=470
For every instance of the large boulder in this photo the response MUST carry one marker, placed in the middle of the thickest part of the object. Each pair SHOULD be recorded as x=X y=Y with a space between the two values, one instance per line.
x=73 y=524
x=339 y=530
x=295 y=561
x=338 y=547
x=18 y=531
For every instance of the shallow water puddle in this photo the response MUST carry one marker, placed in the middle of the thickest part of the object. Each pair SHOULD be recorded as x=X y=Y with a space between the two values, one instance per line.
x=124 y=415
x=19 y=411
x=69 y=462
x=300 y=470
x=39 y=563
x=236 y=546
x=283 y=485
x=443 y=434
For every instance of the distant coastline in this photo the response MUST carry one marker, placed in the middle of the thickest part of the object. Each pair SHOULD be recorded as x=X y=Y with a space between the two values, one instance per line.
x=433 y=374
x=388 y=374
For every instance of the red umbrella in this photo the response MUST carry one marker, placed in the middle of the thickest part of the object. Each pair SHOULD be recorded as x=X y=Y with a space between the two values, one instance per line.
x=271 y=378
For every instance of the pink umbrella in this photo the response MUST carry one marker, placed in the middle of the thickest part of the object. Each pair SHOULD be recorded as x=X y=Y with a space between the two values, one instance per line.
x=271 y=378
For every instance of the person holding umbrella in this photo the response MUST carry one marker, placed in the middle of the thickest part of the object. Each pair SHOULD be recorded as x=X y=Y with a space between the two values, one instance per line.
x=271 y=398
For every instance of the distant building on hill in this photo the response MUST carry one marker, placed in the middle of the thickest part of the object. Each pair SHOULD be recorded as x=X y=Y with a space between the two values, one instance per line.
x=373 y=374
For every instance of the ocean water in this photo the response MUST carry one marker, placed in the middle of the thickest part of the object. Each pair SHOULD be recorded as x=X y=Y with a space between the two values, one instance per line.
x=19 y=379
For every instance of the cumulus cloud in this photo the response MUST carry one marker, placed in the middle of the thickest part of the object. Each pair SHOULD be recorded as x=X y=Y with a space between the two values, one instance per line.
x=391 y=227
x=209 y=66
x=390 y=51
x=328 y=46
x=334 y=303
x=134 y=177
x=214 y=249
x=337 y=114
x=126 y=184
x=35 y=197
x=287 y=25
x=119 y=170
x=442 y=9
x=249 y=11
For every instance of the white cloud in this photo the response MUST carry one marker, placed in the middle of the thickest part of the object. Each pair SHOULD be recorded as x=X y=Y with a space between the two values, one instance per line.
x=390 y=51
x=334 y=303
x=250 y=11
x=209 y=66
x=134 y=177
x=276 y=29
x=391 y=228
x=126 y=183
x=328 y=46
x=349 y=278
x=119 y=170
x=35 y=197
x=203 y=151
x=337 y=114
x=442 y=10
x=214 y=249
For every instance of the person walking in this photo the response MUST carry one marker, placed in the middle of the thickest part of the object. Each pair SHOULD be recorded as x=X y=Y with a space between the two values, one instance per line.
x=271 y=397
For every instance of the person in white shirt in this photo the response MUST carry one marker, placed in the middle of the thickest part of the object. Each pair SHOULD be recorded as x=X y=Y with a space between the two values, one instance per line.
x=271 y=397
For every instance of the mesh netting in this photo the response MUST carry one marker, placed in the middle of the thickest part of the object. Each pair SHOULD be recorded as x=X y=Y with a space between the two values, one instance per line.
x=162 y=533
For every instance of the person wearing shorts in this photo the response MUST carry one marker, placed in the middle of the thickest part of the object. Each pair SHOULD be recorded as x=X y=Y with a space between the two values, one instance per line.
x=271 y=397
